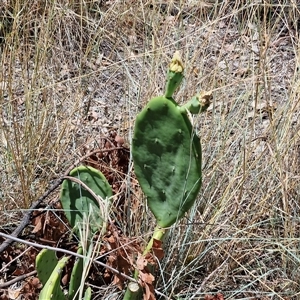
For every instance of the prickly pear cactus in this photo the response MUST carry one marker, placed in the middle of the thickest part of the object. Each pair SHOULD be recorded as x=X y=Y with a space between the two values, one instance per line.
x=76 y=275
x=88 y=294
x=45 y=263
x=78 y=202
x=167 y=152
x=49 y=272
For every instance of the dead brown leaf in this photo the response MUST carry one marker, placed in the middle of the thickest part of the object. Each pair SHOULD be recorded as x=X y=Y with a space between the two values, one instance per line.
x=218 y=296
x=157 y=249
x=38 y=222
x=141 y=262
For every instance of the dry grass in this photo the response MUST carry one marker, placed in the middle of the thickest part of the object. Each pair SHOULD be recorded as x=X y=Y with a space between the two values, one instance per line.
x=71 y=71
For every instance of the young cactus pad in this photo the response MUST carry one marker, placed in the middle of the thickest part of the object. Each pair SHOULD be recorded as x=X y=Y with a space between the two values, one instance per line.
x=45 y=263
x=78 y=203
x=167 y=159
x=76 y=275
x=49 y=271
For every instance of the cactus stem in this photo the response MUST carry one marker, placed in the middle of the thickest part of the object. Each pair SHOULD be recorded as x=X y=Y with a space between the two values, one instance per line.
x=157 y=235
x=133 y=291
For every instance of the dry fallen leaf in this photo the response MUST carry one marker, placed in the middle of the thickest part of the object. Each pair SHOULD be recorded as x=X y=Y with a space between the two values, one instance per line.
x=149 y=292
x=141 y=262
x=146 y=277
x=218 y=296
x=38 y=222
x=157 y=249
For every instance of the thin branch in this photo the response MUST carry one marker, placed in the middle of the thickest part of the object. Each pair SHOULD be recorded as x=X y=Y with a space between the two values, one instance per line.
x=17 y=279
x=6 y=284
x=66 y=252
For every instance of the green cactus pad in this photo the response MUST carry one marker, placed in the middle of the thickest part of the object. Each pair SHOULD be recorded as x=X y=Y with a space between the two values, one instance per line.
x=88 y=294
x=76 y=275
x=52 y=289
x=167 y=159
x=45 y=263
x=78 y=203
x=198 y=103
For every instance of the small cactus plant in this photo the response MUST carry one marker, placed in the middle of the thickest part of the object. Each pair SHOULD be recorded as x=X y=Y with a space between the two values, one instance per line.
x=167 y=152
x=49 y=271
x=84 y=196
x=167 y=156
x=167 y=162
x=87 y=195
x=45 y=262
